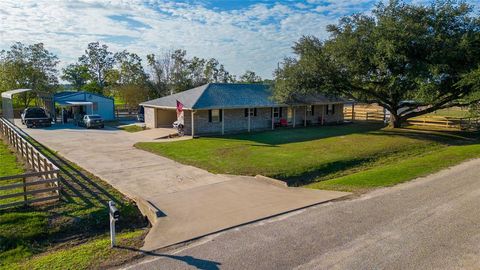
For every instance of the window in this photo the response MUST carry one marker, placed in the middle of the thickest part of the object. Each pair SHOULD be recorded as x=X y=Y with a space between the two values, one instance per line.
x=330 y=109
x=95 y=107
x=276 y=112
x=215 y=116
x=251 y=111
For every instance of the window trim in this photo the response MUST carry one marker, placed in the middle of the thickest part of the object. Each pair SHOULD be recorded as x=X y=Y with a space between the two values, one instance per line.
x=276 y=114
x=251 y=111
x=215 y=118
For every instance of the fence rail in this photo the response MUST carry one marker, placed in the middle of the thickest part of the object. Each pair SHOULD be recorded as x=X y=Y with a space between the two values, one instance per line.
x=466 y=123
x=364 y=116
x=45 y=173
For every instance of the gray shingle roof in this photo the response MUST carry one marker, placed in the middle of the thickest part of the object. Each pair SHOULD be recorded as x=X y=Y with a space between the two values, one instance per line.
x=230 y=95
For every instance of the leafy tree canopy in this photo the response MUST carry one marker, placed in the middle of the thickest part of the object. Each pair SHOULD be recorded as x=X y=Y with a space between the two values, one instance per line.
x=28 y=66
x=410 y=59
x=173 y=72
x=99 y=60
x=250 y=77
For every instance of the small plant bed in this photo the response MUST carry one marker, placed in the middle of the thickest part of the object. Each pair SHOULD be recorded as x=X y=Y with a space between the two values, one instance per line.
x=132 y=128
x=73 y=233
x=316 y=155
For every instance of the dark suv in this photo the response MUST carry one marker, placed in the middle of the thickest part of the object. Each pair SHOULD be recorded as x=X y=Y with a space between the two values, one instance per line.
x=35 y=117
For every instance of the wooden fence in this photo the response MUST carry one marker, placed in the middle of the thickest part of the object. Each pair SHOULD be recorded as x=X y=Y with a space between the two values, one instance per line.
x=446 y=122
x=45 y=172
x=364 y=112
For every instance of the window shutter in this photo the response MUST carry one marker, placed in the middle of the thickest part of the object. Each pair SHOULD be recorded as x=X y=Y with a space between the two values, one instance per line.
x=326 y=109
x=333 y=108
x=209 y=115
x=246 y=112
x=281 y=112
x=220 y=115
x=313 y=113
x=255 y=112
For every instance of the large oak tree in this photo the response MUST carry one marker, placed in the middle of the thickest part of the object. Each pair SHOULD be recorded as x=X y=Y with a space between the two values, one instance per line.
x=410 y=59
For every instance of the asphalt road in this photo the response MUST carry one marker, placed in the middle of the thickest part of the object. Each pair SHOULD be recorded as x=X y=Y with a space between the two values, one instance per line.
x=428 y=223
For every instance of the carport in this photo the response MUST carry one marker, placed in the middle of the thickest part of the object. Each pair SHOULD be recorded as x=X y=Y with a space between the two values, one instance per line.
x=77 y=107
x=44 y=100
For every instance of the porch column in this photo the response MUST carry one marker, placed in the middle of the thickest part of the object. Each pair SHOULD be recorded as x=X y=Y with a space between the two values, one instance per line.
x=305 y=119
x=248 y=110
x=193 y=123
x=294 y=120
x=273 y=121
x=323 y=114
x=353 y=111
x=223 y=121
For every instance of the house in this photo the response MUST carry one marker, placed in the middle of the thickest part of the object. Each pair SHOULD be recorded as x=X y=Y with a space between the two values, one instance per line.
x=218 y=108
x=85 y=103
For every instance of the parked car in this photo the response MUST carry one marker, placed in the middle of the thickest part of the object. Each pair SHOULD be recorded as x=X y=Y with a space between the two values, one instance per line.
x=35 y=117
x=91 y=120
x=141 y=114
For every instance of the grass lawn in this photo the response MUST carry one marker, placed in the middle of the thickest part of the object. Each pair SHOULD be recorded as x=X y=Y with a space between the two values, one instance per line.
x=9 y=166
x=316 y=155
x=451 y=112
x=132 y=128
x=44 y=235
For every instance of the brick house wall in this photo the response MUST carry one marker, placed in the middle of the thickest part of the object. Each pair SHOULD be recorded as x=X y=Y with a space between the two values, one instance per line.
x=236 y=121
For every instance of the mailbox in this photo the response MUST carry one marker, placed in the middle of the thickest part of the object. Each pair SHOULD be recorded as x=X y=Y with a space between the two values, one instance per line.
x=114 y=211
x=114 y=215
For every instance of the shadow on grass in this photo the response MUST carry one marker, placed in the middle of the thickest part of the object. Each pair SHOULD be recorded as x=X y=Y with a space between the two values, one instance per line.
x=302 y=134
x=310 y=176
x=443 y=137
x=189 y=260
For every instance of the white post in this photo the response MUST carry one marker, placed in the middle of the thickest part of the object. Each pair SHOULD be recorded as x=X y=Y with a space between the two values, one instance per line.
x=273 y=120
x=293 y=108
x=223 y=121
x=248 y=110
x=305 y=119
x=193 y=123
x=112 y=225
x=323 y=113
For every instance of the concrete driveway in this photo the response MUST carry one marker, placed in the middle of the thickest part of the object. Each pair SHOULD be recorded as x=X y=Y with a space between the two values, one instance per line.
x=183 y=202
x=428 y=223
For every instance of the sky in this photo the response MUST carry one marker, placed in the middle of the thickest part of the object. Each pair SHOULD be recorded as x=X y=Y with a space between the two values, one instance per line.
x=243 y=35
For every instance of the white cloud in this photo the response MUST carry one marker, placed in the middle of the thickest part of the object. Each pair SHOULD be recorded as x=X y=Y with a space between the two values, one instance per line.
x=253 y=37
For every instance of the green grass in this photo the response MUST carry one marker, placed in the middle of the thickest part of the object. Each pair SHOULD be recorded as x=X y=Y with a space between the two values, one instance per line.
x=9 y=166
x=309 y=155
x=95 y=254
x=80 y=216
x=451 y=112
x=401 y=171
x=132 y=128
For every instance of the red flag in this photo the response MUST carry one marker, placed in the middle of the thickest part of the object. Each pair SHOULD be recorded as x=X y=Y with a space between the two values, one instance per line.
x=180 y=116
x=179 y=108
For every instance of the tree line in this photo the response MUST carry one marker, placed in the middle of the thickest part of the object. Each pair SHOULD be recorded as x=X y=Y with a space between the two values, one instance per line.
x=410 y=59
x=118 y=74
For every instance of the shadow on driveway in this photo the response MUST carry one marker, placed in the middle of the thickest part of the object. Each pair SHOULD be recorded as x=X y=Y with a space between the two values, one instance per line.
x=192 y=261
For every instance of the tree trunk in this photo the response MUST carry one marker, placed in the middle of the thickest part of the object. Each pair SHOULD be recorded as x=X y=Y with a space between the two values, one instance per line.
x=395 y=121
